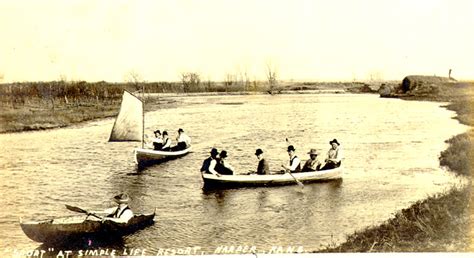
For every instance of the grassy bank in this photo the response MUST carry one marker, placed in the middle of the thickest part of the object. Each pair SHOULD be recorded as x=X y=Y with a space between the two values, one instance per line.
x=441 y=223
x=45 y=105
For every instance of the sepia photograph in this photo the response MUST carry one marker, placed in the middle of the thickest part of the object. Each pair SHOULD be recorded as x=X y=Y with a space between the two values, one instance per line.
x=199 y=128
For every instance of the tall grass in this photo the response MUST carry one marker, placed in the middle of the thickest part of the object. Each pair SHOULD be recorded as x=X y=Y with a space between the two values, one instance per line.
x=458 y=156
x=436 y=224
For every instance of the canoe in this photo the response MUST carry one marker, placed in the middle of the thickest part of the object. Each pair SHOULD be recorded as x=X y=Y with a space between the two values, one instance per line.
x=143 y=156
x=74 y=227
x=229 y=181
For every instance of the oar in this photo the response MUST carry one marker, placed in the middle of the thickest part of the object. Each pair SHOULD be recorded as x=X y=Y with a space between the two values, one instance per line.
x=77 y=209
x=296 y=179
x=289 y=172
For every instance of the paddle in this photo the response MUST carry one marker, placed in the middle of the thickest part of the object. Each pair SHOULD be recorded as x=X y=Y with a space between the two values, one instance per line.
x=289 y=171
x=77 y=209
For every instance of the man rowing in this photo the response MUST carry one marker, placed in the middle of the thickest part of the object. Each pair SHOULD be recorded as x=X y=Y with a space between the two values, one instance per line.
x=293 y=165
x=122 y=213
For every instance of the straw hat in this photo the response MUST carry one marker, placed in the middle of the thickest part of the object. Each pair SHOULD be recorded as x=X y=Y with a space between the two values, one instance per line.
x=121 y=198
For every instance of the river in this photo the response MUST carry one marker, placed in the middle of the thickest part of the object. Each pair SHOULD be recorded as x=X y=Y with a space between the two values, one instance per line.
x=391 y=148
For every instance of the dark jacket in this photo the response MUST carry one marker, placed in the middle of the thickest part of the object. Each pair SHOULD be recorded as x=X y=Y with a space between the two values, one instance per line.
x=263 y=168
x=205 y=165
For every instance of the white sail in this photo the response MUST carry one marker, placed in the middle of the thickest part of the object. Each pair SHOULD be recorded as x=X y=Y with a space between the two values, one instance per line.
x=128 y=125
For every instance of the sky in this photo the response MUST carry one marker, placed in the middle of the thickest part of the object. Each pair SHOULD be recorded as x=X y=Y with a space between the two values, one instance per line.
x=300 y=40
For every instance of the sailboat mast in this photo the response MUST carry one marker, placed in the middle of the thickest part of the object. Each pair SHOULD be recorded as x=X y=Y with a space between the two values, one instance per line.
x=143 y=116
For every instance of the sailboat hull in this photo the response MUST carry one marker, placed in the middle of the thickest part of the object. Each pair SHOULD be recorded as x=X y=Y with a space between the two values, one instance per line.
x=149 y=156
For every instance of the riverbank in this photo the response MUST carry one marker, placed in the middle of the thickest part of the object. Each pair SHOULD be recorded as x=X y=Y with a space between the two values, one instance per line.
x=48 y=105
x=441 y=223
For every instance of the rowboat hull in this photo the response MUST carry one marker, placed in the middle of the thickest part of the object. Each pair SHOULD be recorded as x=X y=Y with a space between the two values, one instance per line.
x=232 y=181
x=149 y=156
x=75 y=227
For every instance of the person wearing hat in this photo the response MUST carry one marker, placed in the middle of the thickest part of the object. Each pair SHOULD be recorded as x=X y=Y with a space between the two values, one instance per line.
x=222 y=166
x=262 y=168
x=312 y=164
x=122 y=213
x=209 y=164
x=294 y=163
x=166 y=142
x=335 y=156
x=158 y=141
x=183 y=140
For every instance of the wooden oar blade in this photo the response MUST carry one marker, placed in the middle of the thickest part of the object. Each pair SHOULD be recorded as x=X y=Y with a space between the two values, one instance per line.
x=75 y=209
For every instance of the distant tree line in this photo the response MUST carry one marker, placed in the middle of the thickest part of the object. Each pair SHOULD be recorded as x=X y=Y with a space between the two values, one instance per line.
x=60 y=93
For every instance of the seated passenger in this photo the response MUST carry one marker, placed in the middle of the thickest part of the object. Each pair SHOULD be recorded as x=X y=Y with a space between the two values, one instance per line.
x=262 y=168
x=312 y=164
x=158 y=141
x=335 y=156
x=222 y=166
x=166 y=142
x=183 y=141
x=209 y=164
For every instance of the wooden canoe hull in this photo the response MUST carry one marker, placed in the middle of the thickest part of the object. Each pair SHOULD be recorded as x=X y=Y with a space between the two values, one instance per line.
x=232 y=181
x=143 y=156
x=67 y=228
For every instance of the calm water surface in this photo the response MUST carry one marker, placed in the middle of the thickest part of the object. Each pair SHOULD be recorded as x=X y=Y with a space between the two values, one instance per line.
x=391 y=149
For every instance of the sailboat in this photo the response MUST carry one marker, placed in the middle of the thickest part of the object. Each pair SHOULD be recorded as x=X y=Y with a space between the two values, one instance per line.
x=130 y=126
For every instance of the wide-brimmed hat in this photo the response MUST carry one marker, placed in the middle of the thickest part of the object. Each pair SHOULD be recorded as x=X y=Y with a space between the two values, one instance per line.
x=121 y=198
x=157 y=132
x=313 y=152
x=334 y=141
x=214 y=151
x=223 y=154
x=258 y=151
x=291 y=148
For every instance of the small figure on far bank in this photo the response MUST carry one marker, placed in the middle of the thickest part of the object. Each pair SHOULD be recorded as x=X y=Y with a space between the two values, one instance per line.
x=294 y=162
x=166 y=142
x=262 y=168
x=158 y=141
x=209 y=164
x=312 y=164
x=335 y=156
x=122 y=213
x=223 y=167
x=183 y=140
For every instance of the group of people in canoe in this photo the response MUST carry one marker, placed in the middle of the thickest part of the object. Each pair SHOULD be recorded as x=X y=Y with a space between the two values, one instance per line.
x=162 y=142
x=217 y=163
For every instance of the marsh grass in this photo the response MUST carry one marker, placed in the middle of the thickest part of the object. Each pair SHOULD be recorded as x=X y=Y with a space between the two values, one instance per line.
x=436 y=224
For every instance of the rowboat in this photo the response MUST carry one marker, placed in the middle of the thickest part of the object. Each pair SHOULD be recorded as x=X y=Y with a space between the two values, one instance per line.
x=231 y=181
x=74 y=227
x=143 y=156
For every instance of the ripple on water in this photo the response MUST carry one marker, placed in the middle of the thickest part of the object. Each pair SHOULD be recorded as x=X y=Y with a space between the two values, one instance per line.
x=383 y=173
